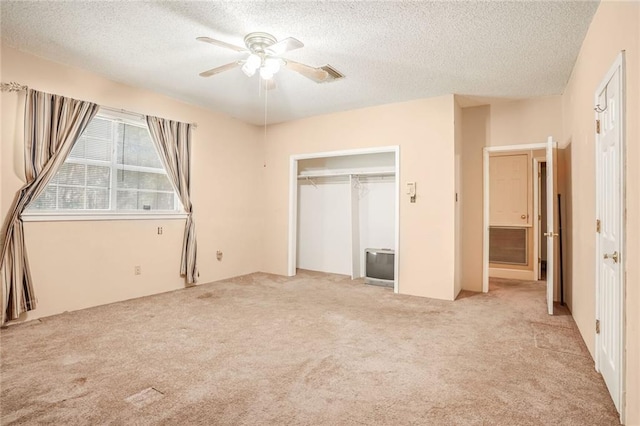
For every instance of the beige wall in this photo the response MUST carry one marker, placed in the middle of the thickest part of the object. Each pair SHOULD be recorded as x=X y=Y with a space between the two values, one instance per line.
x=567 y=226
x=81 y=264
x=525 y=121
x=499 y=124
x=475 y=135
x=615 y=27
x=563 y=187
x=458 y=201
x=424 y=130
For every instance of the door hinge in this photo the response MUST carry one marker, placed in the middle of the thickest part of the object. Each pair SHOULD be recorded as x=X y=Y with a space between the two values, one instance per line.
x=597 y=326
x=598 y=126
x=598 y=226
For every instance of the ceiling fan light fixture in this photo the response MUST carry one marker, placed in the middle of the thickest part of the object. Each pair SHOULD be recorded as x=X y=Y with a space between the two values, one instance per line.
x=272 y=65
x=247 y=70
x=266 y=73
x=254 y=61
x=252 y=64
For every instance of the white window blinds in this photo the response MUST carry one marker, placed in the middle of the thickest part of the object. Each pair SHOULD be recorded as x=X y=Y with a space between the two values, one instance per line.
x=113 y=166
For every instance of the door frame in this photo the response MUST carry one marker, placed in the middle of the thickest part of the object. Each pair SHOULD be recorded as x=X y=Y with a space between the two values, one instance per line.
x=618 y=64
x=293 y=202
x=486 y=151
x=537 y=223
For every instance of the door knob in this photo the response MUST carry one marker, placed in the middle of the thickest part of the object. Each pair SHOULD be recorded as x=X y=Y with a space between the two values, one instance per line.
x=524 y=216
x=613 y=256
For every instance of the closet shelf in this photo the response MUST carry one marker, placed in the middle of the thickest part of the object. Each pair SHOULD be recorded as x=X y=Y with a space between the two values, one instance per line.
x=322 y=174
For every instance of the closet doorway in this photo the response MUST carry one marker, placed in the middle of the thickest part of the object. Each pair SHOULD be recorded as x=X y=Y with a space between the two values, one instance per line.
x=341 y=203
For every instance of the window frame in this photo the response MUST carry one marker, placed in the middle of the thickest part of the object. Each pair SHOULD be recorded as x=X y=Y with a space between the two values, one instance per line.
x=112 y=213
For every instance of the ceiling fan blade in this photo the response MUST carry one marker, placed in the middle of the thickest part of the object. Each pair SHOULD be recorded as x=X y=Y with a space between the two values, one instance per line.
x=316 y=74
x=285 y=45
x=218 y=70
x=222 y=44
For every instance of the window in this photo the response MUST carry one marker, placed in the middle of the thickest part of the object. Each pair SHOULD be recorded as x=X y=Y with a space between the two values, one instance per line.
x=113 y=168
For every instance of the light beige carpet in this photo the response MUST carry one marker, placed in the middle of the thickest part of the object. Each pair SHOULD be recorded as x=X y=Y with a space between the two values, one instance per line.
x=313 y=349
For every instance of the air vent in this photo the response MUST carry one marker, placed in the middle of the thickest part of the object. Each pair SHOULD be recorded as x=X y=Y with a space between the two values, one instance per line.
x=508 y=245
x=334 y=74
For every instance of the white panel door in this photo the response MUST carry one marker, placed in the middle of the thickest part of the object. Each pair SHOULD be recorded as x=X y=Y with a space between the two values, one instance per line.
x=609 y=208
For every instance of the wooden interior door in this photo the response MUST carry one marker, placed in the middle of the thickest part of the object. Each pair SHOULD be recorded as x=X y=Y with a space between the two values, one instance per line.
x=510 y=193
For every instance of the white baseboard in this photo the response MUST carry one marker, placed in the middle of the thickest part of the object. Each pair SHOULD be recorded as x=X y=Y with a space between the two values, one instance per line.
x=512 y=274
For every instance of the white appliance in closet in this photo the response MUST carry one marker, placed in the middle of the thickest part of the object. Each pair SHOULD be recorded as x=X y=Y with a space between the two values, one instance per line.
x=346 y=204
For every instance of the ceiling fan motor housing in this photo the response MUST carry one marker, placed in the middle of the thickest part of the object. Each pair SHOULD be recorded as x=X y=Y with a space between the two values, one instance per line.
x=258 y=42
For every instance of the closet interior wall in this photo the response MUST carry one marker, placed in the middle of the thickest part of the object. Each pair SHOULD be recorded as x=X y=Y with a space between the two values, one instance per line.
x=375 y=196
x=346 y=204
x=324 y=225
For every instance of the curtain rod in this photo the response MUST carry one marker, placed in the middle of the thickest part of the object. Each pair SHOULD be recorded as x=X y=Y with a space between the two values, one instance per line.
x=17 y=87
x=12 y=87
x=124 y=111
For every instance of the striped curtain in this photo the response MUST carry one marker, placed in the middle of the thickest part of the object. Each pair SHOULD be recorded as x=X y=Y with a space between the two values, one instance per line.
x=173 y=140
x=52 y=124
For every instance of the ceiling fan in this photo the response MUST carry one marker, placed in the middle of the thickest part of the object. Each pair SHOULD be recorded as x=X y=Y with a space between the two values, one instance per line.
x=263 y=57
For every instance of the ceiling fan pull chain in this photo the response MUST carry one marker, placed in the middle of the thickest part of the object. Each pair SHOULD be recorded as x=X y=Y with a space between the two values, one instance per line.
x=266 y=94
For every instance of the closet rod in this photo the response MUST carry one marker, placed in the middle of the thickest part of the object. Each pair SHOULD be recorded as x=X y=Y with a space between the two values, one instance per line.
x=312 y=182
x=344 y=174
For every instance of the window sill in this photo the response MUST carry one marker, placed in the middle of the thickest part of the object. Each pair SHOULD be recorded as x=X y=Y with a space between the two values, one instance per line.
x=83 y=216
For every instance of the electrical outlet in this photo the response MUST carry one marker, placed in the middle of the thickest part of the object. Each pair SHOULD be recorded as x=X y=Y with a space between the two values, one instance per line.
x=159 y=230
x=219 y=254
x=137 y=270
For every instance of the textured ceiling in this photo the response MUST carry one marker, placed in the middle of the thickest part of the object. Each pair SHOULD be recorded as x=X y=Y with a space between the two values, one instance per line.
x=389 y=51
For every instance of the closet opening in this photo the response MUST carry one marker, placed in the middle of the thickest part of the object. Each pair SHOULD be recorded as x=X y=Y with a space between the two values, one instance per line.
x=344 y=205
